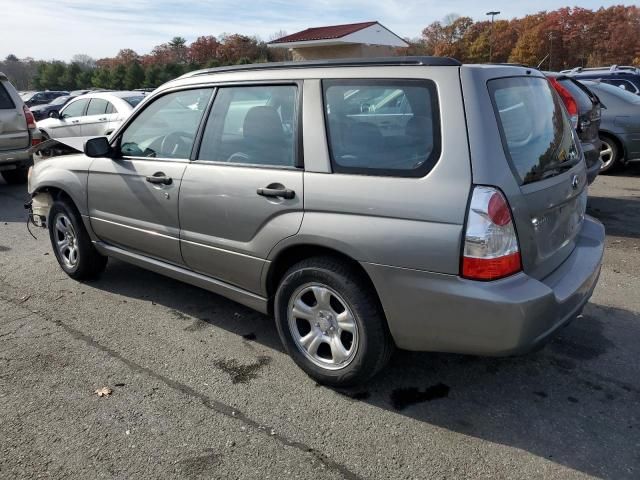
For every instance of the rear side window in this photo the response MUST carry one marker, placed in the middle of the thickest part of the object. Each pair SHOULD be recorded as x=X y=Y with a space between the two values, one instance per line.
x=97 y=106
x=622 y=84
x=536 y=133
x=382 y=127
x=6 y=103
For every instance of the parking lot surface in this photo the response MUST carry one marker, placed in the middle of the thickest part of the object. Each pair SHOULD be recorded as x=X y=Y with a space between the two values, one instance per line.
x=202 y=389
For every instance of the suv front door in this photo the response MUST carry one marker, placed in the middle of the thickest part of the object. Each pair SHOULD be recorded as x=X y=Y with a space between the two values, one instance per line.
x=133 y=200
x=244 y=192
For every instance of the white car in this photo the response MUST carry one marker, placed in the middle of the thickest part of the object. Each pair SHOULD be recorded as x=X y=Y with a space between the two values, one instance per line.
x=91 y=115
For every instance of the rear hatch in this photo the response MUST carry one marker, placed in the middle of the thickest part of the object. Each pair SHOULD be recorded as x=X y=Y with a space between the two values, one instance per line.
x=548 y=166
x=14 y=134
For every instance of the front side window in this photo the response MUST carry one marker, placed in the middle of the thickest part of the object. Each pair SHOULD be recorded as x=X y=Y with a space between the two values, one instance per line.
x=536 y=131
x=74 y=109
x=253 y=125
x=382 y=127
x=97 y=106
x=167 y=127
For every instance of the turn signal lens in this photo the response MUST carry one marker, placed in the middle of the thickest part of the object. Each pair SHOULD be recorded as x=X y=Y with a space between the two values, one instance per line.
x=31 y=120
x=491 y=248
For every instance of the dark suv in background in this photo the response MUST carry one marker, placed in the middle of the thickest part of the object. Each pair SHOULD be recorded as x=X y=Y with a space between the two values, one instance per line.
x=625 y=77
x=584 y=109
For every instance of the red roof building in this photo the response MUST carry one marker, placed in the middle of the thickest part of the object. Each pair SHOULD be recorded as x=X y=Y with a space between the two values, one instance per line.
x=366 y=39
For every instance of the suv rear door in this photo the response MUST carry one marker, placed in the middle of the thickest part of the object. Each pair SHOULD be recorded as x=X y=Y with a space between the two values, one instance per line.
x=14 y=134
x=522 y=142
x=243 y=193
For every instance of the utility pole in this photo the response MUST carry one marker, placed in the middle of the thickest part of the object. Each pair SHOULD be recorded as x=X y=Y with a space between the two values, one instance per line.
x=492 y=14
x=550 y=49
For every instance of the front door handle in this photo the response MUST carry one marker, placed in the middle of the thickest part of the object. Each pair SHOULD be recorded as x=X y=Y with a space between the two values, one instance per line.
x=159 y=178
x=277 y=191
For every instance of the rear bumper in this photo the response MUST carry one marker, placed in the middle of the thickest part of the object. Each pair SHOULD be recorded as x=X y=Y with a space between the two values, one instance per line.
x=446 y=313
x=592 y=159
x=14 y=158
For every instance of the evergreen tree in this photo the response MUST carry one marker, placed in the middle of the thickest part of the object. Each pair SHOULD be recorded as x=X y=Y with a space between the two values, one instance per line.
x=134 y=78
x=118 y=76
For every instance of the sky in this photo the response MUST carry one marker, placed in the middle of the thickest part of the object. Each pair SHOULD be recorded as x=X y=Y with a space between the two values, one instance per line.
x=58 y=29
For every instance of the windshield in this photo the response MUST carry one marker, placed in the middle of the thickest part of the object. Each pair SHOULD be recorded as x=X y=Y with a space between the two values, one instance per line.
x=133 y=101
x=536 y=132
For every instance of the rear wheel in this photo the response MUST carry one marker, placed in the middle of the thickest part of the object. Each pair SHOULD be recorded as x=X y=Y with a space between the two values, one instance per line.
x=71 y=243
x=330 y=322
x=17 y=176
x=609 y=154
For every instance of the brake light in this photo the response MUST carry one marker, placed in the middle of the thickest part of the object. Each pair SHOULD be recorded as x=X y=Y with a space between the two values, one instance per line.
x=31 y=120
x=491 y=248
x=568 y=100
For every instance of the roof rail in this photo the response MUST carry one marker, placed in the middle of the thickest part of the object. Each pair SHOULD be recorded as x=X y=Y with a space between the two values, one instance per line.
x=346 y=62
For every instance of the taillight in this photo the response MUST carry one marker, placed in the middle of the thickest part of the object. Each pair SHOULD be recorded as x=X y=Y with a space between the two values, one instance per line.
x=31 y=120
x=568 y=100
x=491 y=248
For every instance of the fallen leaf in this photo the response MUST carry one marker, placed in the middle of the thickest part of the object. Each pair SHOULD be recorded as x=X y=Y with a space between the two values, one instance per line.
x=103 y=392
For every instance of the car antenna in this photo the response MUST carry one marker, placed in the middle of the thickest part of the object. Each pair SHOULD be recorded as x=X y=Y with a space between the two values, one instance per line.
x=542 y=61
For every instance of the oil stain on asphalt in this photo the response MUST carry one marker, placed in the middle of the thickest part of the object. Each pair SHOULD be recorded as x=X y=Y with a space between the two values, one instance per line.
x=402 y=398
x=242 y=373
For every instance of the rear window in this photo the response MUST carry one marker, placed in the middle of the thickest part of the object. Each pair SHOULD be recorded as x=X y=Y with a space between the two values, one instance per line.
x=536 y=133
x=382 y=127
x=133 y=101
x=6 y=103
x=580 y=96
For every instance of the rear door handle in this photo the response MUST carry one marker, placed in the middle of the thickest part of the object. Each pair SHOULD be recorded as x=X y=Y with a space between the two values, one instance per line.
x=277 y=192
x=159 y=178
x=102 y=119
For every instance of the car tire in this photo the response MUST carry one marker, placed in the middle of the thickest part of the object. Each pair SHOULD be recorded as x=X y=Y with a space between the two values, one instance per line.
x=77 y=257
x=17 y=176
x=609 y=154
x=340 y=312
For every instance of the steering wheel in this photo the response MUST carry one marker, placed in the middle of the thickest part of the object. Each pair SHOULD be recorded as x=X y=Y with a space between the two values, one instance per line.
x=173 y=143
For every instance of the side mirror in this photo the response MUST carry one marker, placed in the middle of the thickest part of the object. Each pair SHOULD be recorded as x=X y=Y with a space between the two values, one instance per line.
x=98 y=147
x=54 y=114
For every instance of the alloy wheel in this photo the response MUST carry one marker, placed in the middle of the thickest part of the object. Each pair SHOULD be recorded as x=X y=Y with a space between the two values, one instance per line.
x=323 y=326
x=66 y=241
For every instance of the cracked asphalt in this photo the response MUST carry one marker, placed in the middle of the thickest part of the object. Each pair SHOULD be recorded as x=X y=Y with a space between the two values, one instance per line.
x=202 y=388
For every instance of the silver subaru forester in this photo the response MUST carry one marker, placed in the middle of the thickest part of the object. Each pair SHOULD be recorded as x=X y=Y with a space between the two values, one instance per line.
x=366 y=204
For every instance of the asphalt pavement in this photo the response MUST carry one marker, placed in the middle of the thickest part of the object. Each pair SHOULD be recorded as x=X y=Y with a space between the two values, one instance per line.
x=201 y=387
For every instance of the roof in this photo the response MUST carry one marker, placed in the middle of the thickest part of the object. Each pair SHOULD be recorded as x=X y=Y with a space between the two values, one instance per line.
x=343 y=62
x=324 y=33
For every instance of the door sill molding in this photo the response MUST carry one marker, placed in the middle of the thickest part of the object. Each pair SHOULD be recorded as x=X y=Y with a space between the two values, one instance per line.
x=231 y=292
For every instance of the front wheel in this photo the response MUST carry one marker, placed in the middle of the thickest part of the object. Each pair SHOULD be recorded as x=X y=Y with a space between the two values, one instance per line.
x=330 y=322
x=609 y=154
x=71 y=243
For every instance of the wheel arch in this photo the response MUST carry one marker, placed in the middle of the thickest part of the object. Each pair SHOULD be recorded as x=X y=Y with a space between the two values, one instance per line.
x=291 y=254
x=617 y=141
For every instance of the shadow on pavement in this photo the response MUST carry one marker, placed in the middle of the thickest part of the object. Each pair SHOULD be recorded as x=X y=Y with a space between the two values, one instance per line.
x=620 y=215
x=552 y=404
